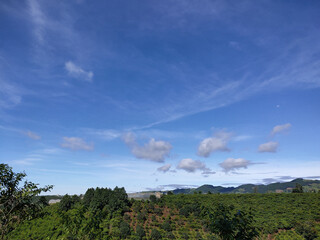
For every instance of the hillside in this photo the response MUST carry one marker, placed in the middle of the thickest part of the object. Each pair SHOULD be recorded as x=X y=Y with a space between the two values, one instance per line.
x=308 y=186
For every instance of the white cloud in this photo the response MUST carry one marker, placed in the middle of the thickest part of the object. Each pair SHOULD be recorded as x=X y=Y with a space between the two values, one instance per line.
x=268 y=147
x=32 y=135
x=155 y=151
x=190 y=165
x=26 y=161
x=105 y=134
x=164 y=168
x=281 y=128
x=216 y=143
x=234 y=163
x=75 y=143
x=77 y=72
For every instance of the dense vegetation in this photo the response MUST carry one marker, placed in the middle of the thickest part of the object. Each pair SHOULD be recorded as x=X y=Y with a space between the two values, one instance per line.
x=104 y=213
x=108 y=214
x=17 y=200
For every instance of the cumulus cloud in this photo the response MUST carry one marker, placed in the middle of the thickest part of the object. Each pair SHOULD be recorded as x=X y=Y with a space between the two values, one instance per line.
x=190 y=165
x=164 y=168
x=280 y=128
x=75 y=143
x=216 y=143
x=234 y=163
x=155 y=151
x=32 y=135
x=268 y=147
x=77 y=72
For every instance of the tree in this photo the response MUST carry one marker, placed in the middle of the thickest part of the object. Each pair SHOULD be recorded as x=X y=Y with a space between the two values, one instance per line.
x=229 y=226
x=140 y=232
x=297 y=189
x=153 y=198
x=17 y=202
x=155 y=234
x=124 y=230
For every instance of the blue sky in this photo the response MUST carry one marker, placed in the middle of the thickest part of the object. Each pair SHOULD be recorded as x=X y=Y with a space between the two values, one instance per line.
x=159 y=94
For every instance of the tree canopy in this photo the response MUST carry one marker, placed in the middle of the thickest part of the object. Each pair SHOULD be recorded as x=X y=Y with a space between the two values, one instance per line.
x=17 y=201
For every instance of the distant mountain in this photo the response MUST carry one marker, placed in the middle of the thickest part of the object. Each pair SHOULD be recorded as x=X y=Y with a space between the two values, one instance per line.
x=308 y=185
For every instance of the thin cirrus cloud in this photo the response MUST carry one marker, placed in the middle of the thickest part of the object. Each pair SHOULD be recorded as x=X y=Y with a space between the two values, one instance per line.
x=10 y=95
x=155 y=151
x=271 y=147
x=75 y=143
x=191 y=166
x=77 y=72
x=164 y=168
x=32 y=135
x=234 y=164
x=280 y=129
x=214 y=144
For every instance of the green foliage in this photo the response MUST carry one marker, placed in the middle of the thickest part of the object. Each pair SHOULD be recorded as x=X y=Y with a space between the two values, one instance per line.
x=167 y=226
x=140 y=232
x=298 y=188
x=17 y=202
x=307 y=230
x=68 y=202
x=288 y=235
x=155 y=234
x=124 y=230
x=195 y=216
x=229 y=225
x=153 y=198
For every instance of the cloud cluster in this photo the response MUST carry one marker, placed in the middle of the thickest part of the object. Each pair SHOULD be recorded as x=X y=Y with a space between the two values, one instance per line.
x=77 y=72
x=75 y=143
x=191 y=166
x=271 y=147
x=234 y=163
x=216 y=143
x=155 y=151
x=280 y=128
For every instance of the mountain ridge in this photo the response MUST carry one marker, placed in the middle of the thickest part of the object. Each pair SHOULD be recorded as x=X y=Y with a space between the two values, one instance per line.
x=308 y=185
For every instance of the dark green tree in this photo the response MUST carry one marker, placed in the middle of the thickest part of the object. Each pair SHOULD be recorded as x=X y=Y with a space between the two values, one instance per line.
x=124 y=230
x=17 y=199
x=297 y=189
x=155 y=234
x=68 y=202
x=153 y=198
x=140 y=232
x=233 y=226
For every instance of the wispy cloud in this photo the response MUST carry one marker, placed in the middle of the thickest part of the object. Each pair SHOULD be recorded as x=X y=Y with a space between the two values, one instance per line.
x=38 y=19
x=77 y=72
x=27 y=161
x=27 y=133
x=75 y=143
x=280 y=129
x=10 y=95
x=32 y=135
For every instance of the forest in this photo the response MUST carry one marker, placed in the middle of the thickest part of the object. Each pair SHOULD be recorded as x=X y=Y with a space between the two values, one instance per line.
x=104 y=213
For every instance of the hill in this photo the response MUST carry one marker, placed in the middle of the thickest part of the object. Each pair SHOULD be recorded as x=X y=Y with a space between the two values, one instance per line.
x=308 y=186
